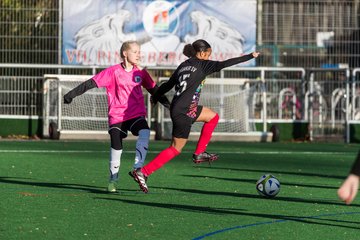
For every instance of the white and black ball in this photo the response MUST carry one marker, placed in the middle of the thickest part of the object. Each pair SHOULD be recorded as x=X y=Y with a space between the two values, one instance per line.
x=268 y=186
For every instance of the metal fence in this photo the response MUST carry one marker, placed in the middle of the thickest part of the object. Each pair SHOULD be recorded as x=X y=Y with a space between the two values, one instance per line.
x=307 y=34
x=303 y=33
x=328 y=99
x=20 y=96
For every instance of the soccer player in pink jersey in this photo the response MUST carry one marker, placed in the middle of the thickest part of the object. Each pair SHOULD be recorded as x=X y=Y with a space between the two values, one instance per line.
x=126 y=105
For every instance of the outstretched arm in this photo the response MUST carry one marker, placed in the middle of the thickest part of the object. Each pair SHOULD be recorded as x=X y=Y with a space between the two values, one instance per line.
x=237 y=60
x=80 y=89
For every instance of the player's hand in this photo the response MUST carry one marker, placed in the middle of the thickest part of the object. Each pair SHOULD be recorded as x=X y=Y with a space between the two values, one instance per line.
x=163 y=100
x=166 y=105
x=255 y=54
x=67 y=99
x=153 y=100
x=348 y=190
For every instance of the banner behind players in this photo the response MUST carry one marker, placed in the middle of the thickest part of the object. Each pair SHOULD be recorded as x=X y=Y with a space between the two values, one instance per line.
x=94 y=30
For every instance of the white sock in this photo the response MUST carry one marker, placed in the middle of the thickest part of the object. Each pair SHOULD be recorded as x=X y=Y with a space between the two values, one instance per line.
x=114 y=164
x=142 y=145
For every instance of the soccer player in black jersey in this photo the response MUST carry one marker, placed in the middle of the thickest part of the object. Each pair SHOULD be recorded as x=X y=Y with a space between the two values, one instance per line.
x=188 y=80
x=348 y=190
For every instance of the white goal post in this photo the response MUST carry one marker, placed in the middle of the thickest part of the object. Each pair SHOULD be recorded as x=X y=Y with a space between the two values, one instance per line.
x=86 y=117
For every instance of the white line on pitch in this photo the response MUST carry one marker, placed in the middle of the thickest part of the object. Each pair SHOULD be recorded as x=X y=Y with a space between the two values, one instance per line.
x=221 y=152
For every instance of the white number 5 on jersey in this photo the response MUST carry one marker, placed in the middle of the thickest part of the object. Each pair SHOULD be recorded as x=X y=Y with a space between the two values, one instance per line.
x=183 y=83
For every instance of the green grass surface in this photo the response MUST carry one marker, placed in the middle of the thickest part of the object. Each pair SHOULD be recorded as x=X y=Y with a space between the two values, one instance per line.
x=56 y=190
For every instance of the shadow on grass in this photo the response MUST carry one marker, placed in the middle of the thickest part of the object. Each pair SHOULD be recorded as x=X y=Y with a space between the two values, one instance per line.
x=262 y=171
x=253 y=182
x=255 y=196
x=28 y=182
x=240 y=212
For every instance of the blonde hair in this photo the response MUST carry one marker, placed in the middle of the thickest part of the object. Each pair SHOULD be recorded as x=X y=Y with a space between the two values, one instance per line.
x=126 y=46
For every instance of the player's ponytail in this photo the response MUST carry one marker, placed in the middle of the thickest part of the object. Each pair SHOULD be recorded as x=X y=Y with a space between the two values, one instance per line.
x=199 y=45
x=189 y=50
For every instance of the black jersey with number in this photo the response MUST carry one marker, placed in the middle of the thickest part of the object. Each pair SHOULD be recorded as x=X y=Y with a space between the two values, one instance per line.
x=189 y=79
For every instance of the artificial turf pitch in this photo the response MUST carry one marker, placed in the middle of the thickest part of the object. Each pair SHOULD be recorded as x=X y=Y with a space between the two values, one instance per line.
x=56 y=190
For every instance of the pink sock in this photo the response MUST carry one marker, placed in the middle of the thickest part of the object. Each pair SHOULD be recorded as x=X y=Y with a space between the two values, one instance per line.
x=162 y=158
x=205 y=135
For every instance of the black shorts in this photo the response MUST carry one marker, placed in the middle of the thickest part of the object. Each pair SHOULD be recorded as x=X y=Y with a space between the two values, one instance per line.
x=182 y=123
x=133 y=125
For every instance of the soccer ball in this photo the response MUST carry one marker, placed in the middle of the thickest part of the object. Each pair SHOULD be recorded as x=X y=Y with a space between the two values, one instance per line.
x=268 y=186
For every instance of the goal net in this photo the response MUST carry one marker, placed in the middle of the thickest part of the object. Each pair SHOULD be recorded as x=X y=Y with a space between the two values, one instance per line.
x=232 y=99
x=87 y=115
x=85 y=118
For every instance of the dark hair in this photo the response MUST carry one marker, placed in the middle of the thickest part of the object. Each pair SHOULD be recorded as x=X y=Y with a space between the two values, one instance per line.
x=199 y=45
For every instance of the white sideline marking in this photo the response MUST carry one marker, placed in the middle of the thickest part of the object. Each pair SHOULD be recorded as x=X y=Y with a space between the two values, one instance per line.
x=221 y=152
